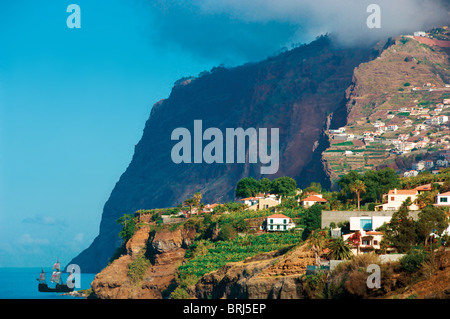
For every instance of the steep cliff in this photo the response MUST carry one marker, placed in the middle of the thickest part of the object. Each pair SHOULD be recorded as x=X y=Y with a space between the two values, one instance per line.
x=275 y=275
x=165 y=249
x=296 y=91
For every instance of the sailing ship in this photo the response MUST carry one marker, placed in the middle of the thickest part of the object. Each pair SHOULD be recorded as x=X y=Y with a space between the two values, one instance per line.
x=56 y=278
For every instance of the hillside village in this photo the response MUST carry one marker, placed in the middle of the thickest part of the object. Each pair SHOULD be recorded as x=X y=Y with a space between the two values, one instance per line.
x=389 y=204
x=399 y=121
x=406 y=228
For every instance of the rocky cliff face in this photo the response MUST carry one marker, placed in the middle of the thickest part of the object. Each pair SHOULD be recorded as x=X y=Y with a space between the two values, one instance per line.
x=296 y=91
x=166 y=250
x=275 y=275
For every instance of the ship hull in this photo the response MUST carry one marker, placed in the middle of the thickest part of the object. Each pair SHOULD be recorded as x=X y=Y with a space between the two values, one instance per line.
x=58 y=288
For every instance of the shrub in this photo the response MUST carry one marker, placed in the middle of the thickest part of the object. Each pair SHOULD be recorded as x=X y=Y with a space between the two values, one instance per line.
x=227 y=232
x=413 y=260
x=137 y=268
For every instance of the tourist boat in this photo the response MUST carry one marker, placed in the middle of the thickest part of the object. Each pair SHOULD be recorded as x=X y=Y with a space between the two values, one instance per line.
x=56 y=278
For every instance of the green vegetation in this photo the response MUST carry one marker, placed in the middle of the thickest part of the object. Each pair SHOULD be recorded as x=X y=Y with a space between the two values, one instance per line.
x=211 y=256
x=137 y=268
x=282 y=186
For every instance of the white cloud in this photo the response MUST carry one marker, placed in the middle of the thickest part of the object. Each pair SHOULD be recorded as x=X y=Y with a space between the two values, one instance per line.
x=40 y=219
x=27 y=239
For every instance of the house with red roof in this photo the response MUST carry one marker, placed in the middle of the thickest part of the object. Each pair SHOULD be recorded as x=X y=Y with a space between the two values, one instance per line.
x=396 y=197
x=313 y=199
x=443 y=199
x=279 y=222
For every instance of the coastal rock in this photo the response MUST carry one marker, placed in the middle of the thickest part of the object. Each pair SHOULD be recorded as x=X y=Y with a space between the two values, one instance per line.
x=275 y=275
x=165 y=249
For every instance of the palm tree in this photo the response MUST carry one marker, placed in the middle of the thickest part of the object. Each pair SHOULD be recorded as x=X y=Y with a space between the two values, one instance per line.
x=339 y=249
x=189 y=202
x=316 y=244
x=358 y=187
x=197 y=198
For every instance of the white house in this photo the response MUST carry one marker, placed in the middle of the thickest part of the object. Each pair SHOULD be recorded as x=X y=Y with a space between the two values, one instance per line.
x=311 y=200
x=392 y=128
x=428 y=163
x=420 y=34
x=411 y=173
x=279 y=222
x=369 y=241
x=396 y=197
x=418 y=166
x=443 y=199
x=442 y=163
x=367 y=223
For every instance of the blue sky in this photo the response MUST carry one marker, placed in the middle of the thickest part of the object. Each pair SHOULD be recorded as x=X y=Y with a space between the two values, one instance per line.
x=73 y=102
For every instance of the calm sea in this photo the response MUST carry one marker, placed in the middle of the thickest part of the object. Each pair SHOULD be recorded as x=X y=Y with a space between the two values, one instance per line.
x=21 y=283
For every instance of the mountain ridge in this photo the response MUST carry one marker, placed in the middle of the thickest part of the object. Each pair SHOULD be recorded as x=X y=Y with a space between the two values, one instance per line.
x=301 y=91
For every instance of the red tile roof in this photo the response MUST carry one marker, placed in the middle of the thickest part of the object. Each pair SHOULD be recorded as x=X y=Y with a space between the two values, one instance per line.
x=374 y=233
x=278 y=216
x=424 y=188
x=403 y=192
x=445 y=194
x=314 y=199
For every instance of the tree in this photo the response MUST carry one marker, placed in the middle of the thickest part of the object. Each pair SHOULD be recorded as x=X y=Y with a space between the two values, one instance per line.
x=190 y=202
x=355 y=240
x=197 y=199
x=426 y=198
x=401 y=230
x=247 y=187
x=346 y=180
x=312 y=220
x=316 y=243
x=339 y=249
x=284 y=186
x=379 y=183
x=358 y=187
x=128 y=226
x=264 y=185
x=431 y=219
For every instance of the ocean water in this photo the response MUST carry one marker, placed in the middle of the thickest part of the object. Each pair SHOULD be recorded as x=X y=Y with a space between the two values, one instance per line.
x=21 y=283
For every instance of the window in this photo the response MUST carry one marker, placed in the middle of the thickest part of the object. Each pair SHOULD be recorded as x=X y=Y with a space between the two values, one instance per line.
x=392 y=198
x=366 y=242
x=366 y=223
x=375 y=242
x=271 y=226
x=443 y=199
x=284 y=221
x=284 y=227
x=278 y=226
x=271 y=221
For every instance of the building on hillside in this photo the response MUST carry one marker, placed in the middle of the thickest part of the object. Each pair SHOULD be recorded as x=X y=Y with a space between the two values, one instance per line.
x=411 y=173
x=424 y=188
x=418 y=166
x=396 y=197
x=279 y=222
x=443 y=199
x=257 y=203
x=313 y=199
x=369 y=241
x=210 y=207
x=429 y=163
x=367 y=226
x=420 y=34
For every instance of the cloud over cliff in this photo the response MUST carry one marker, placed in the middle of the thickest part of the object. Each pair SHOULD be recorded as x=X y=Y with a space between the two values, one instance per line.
x=253 y=29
